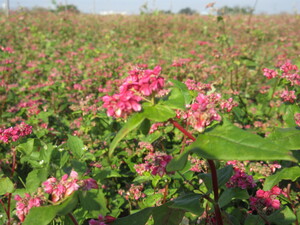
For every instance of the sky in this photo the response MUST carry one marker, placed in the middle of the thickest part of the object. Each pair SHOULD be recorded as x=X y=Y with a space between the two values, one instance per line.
x=134 y=6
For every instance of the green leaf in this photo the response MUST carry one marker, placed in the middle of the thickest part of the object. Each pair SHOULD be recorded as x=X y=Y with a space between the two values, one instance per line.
x=254 y=220
x=132 y=123
x=45 y=215
x=158 y=112
x=94 y=202
x=76 y=146
x=291 y=173
x=139 y=218
x=6 y=186
x=178 y=162
x=27 y=147
x=189 y=203
x=176 y=99
x=287 y=137
x=35 y=178
x=232 y=193
x=282 y=216
x=227 y=142
x=165 y=215
x=184 y=90
x=223 y=176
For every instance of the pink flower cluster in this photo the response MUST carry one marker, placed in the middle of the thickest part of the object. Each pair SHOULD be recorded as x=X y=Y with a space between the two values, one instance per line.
x=25 y=204
x=102 y=220
x=265 y=201
x=241 y=179
x=139 y=84
x=67 y=185
x=197 y=86
x=134 y=192
x=270 y=73
x=155 y=163
x=14 y=133
x=203 y=111
x=288 y=96
x=289 y=71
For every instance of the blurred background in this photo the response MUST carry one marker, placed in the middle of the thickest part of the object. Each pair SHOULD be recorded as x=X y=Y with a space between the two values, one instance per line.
x=164 y=6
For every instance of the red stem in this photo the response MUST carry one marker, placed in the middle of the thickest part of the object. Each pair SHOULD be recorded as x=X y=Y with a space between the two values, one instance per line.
x=73 y=219
x=213 y=173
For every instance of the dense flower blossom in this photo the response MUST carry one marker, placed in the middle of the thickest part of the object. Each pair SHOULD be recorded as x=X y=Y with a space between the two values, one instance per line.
x=202 y=112
x=288 y=96
x=155 y=162
x=14 y=133
x=265 y=201
x=66 y=186
x=134 y=192
x=139 y=84
x=240 y=179
x=24 y=204
x=102 y=220
x=270 y=73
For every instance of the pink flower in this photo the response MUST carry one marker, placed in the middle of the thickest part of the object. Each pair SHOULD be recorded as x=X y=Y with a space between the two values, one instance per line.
x=14 y=133
x=140 y=83
x=240 y=179
x=24 y=205
x=288 y=96
x=155 y=163
x=270 y=73
x=90 y=184
x=297 y=119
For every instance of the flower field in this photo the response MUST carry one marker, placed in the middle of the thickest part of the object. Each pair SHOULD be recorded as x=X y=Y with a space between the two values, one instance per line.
x=150 y=119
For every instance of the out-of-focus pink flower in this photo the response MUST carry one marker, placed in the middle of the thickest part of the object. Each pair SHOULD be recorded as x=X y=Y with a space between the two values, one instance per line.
x=265 y=201
x=14 y=133
x=155 y=162
x=102 y=220
x=288 y=96
x=270 y=73
x=24 y=204
x=240 y=179
x=89 y=184
x=297 y=119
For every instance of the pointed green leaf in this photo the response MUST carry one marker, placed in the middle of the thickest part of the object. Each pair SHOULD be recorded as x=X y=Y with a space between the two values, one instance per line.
x=158 y=113
x=282 y=216
x=254 y=219
x=132 y=123
x=75 y=145
x=178 y=162
x=228 y=142
x=291 y=173
x=45 y=215
x=287 y=137
x=184 y=90
x=94 y=202
x=139 y=218
x=165 y=215
x=35 y=178
x=232 y=193
x=27 y=147
x=176 y=99
x=223 y=176
x=189 y=203
x=6 y=186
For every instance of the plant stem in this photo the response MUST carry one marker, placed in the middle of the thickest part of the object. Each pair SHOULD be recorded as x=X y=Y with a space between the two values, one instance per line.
x=213 y=174
x=73 y=219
